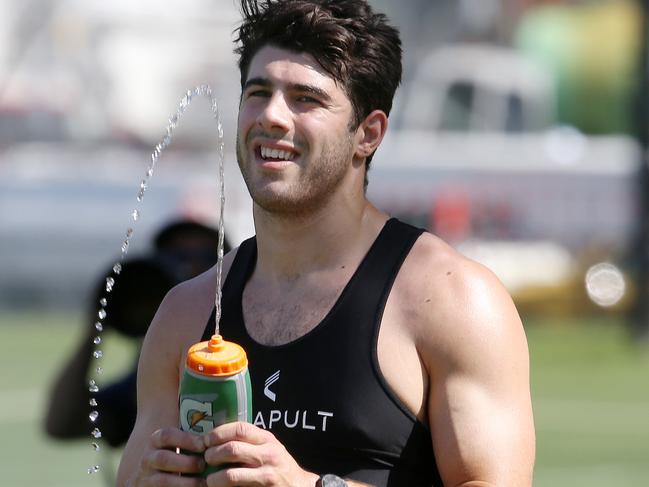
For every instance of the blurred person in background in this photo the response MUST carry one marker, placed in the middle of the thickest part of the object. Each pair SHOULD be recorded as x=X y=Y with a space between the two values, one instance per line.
x=182 y=250
x=402 y=362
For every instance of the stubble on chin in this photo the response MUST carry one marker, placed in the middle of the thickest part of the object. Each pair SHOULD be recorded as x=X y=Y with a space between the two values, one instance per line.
x=304 y=196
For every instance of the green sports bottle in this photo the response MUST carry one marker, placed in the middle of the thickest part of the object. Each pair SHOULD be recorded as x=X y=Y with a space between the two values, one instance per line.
x=215 y=387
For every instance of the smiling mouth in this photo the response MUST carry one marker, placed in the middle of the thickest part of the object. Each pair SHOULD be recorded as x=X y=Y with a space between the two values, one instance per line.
x=272 y=155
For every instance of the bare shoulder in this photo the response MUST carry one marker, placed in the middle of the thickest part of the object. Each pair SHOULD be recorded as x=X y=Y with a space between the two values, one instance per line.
x=471 y=342
x=455 y=305
x=184 y=312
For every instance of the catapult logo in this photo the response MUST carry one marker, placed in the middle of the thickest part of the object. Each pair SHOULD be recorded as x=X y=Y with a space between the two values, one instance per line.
x=269 y=382
x=304 y=419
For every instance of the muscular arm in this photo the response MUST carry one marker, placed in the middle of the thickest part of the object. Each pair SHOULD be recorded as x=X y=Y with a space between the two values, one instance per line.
x=150 y=448
x=479 y=405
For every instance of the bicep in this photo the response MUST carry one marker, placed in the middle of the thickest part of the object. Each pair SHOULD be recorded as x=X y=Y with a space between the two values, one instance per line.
x=479 y=400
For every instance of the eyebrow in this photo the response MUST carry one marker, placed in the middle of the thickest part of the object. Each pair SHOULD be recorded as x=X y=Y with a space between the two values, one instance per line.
x=313 y=90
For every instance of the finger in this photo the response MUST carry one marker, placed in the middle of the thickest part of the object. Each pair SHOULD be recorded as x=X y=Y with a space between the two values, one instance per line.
x=241 y=477
x=170 y=461
x=175 y=438
x=162 y=479
x=237 y=452
x=237 y=431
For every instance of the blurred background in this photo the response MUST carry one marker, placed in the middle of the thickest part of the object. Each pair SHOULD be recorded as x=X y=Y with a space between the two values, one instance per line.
x=519 y=135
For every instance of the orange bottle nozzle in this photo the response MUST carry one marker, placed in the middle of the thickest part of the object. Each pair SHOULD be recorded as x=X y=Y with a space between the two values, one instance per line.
x=216 y=357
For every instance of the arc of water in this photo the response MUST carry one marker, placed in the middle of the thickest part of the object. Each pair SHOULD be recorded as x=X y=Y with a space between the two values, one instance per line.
x=204 y=91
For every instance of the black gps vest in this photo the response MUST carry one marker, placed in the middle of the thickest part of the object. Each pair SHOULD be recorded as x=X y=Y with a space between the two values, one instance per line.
x=322 y=395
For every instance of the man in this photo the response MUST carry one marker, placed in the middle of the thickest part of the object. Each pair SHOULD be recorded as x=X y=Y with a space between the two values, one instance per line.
x=377 y=353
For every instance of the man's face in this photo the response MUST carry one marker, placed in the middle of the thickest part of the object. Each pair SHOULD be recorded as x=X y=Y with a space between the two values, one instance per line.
x=294 y=145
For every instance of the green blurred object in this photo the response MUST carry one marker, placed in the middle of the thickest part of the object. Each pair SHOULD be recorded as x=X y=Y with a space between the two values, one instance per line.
x=593 y=50
x=33 y=346
x=591 y=404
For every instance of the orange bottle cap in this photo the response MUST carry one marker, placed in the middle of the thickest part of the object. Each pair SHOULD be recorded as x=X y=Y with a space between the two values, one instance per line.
x=216 y=357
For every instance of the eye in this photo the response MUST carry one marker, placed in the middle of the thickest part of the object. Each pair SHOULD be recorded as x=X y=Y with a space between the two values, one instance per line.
x=307 y=99
x=257 y=92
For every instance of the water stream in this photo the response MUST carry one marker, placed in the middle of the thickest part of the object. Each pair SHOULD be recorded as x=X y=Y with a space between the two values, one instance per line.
x=199 y=91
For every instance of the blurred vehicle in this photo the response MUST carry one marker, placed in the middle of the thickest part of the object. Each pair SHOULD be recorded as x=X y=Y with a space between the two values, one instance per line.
x=474 y=157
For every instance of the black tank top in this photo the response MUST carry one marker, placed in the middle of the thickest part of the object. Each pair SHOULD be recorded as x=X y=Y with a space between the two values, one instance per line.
x=322 y=395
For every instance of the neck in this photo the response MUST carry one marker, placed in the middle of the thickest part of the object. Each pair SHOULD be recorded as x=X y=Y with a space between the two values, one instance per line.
x=290 y=246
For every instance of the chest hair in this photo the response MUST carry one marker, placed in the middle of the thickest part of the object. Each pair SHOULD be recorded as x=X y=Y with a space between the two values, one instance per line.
x=281 y=314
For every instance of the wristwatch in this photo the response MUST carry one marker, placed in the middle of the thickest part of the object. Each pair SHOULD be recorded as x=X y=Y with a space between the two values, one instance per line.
x=330 y=480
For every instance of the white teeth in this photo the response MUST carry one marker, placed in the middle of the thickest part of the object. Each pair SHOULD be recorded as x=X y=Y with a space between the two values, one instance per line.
x=276 y=154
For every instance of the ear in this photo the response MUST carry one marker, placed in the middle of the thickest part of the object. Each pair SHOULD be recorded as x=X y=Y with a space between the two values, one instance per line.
x=370 y=132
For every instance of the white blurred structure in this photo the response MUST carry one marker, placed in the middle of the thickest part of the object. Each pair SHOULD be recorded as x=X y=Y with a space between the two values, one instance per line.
x=86 y=89
x=474 y=156
x=117 y=68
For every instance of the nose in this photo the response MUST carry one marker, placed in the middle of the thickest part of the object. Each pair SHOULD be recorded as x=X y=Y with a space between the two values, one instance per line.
x=275 y=114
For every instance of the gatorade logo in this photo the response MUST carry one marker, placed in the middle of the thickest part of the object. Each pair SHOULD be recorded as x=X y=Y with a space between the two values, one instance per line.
x=198 y=416
x=269 y=382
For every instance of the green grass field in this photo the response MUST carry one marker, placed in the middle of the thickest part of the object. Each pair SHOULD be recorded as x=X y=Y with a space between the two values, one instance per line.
x=590 y=389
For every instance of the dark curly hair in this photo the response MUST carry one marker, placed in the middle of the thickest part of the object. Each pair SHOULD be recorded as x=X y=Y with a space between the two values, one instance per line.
x=352 y=43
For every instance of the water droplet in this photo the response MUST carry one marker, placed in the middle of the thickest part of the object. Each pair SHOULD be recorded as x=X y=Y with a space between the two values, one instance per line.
x=93 y=416
x=110 y=282
x=95 y=446
x=149 y=172
x=135 y=215
x=98 y=354
x=99 y=326
x=96 y=433
x=125 y=246
x=140 y=197
x=143 y=185
x=184 y=103
x=97 y=340
x=92 y=402
x=100 y=370
x=103 y=301
x=129 y=232
x=117 y=268
x=93 y=386
x=101 y=314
